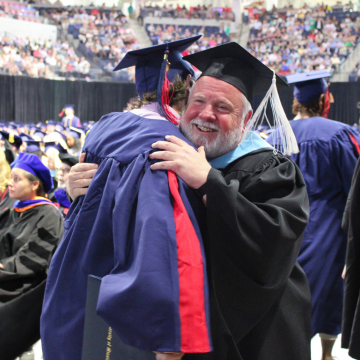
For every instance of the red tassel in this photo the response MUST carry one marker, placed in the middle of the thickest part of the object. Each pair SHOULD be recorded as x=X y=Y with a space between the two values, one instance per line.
x=326 y=108
x=62 y=113
x=166 y=99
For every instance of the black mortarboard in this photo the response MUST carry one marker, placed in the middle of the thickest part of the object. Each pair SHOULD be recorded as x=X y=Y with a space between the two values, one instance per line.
x=235 y=65
x=12 y=138
x=69 y=159
x=49 y=144
x=75 y=132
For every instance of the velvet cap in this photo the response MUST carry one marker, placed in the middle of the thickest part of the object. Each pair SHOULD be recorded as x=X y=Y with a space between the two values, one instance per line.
x=32 y=164
x=148 y=62
x=235 y=65
x=309 y=85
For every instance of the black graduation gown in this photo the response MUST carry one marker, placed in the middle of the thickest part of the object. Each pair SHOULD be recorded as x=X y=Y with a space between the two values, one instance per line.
x=257 y=210
x=27 y=243
x=351 y=310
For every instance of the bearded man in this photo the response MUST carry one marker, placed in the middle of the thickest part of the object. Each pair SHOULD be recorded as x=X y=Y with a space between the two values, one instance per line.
x=256 y=210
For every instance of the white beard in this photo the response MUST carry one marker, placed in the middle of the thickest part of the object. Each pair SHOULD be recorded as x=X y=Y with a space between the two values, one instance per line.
x=222 y=144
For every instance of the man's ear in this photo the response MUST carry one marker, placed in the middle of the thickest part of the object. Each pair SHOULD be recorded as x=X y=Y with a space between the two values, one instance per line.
x=248 y=117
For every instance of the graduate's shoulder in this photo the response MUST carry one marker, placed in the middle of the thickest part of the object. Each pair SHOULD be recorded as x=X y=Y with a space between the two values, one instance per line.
x=124 y=136
x=318 y=129
x=257 y=160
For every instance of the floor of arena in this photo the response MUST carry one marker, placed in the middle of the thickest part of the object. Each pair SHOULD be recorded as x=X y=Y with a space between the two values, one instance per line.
x=338 y=353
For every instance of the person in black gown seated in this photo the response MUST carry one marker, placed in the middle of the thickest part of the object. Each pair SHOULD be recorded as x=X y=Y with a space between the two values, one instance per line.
x=29 y=234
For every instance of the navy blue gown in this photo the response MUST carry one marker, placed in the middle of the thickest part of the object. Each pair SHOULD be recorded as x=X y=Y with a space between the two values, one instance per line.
x=139 y=230
x=327 y=159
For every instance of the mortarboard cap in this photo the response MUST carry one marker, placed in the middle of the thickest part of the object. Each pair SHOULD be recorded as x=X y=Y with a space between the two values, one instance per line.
x=32 y=146
x=309 y=85
x=32 y=164
x=40 y=134
x=67 y=106
x=50 y=122
x=12 y=127
x=148 y=63
x=12 y=138
x=25 y=137
x=69 y=159
x=75 y=132
x=59 y=127
x=235 y=65
x=50 y=144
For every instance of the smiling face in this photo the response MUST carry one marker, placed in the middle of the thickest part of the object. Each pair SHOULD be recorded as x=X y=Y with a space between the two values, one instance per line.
x=215 y=116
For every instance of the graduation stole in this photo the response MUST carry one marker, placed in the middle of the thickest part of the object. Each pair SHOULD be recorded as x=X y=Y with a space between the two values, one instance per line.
x=21 y=206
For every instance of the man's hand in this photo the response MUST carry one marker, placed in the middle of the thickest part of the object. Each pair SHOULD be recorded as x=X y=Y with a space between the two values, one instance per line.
x=1 y=266
x=80 y=177
x=189 y=164
x=168 y=356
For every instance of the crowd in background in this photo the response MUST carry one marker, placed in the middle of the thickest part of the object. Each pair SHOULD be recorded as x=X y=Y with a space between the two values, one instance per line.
x=19 y=11
x=212 y=35
x=304 y=39
x=197 y=12
x=287 y=40
x=38 y=58
x=104 y=36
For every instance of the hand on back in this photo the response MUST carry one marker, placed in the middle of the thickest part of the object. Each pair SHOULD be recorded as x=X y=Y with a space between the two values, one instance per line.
x=80 y=177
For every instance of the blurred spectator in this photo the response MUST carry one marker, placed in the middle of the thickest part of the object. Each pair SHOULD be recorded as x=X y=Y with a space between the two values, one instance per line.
x=212 y=35
x=305 y=39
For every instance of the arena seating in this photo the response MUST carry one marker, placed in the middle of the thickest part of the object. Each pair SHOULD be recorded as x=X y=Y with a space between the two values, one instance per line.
x=292 y=40
x=198 y=12
x=104 y=36
x=19 y=11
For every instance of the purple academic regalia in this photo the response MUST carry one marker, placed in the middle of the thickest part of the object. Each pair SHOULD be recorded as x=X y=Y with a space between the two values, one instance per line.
x=327 y=159
x=125 y=231
x=74 y=122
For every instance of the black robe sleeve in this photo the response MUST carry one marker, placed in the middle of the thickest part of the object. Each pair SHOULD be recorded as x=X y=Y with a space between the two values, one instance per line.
x=257 y=210
x=9 y=152
x=351 y=309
